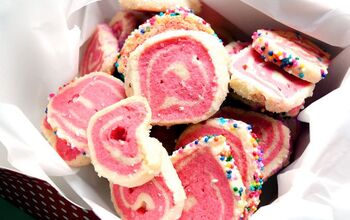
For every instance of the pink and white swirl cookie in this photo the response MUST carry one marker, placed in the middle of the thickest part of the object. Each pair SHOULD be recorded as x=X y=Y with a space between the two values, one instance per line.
x=119 y=143
x=160 y=5
x=295 y=54
x=235 y=46
x=174 y=19
x=274 y=137
x=212 y=182
x=101 y=52
x=163 y=197
x=266 y=84
x=183 y=75
x=244 y=148
x=72 y=156
x=70 y=110
x=122 y=24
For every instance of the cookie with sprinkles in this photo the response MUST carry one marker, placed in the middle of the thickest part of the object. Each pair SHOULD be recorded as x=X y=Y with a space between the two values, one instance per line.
x=265 y=84
x=212 y=182
x=183 y=75
x=174 y=19
x=119 y=143
x=293 y=53
x=244 y=147
x=163 y=197
x=101 y=52
x=72 y=156
x=274 y=137
x=122 y=24
x=70 y=110
x=160 y=5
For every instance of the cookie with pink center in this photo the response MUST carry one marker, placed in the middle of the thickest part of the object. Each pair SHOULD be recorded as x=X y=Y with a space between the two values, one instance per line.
x=235 y=46
x=119 y=143
x=101 y=52
x=265 y=84
x=174 y=19
x=163 y=197
x=183 y=75
x=70 y=110
x=295 y=54
x=72 y=156
x=212 y=182
x=274 y=137
x=122 y=24
x=245 y=150
x=160 y=5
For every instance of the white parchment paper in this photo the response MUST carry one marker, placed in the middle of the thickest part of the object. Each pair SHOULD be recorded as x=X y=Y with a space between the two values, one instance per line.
x=39 y=51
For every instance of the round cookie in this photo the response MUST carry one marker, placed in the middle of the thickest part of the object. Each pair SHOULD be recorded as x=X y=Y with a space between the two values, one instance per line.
x=72 y=156
x=122 y=24
x=183 y=75
x=101 y=52
x=70 y=110
x=266 y=84
x=160 y=5
x=119 y=143
x=244 y=147
x=295 y=54
x=174 y=19
x=163 y=197
x=274 y=137
x=212 y=182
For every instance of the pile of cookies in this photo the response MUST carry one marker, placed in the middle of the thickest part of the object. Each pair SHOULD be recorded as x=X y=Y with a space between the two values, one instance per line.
x=173 y=69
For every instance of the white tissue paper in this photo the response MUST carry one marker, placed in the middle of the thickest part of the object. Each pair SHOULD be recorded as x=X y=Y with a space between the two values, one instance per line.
x=39 y=51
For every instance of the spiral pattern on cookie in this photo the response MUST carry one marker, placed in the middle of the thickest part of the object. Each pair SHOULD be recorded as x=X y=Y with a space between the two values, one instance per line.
x=70 y=110
x=183 y=75
x=119 y=143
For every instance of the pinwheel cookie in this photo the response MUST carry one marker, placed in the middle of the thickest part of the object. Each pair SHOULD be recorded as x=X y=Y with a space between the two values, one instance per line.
x=101 y=52
x=119 y=143
x=295 y=54
x=72 y=156
x=183 y=75
x=174 y=19
x=244 y=149
x=122 y=24
x=265 y=84
x=160 y=5
x=273 y=135
x=163 y=197
x=69 y=112
x=212 y=182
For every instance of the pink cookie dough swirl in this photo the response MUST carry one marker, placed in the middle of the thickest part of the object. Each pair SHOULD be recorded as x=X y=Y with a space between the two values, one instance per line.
x=245 y=150
x=70 y=110
x=72 y=156
x=122 y=24
x=212 y=182
x=273 y=136
x=119 y=143
x=163 y=197
x=183 y=75
x=101 y=52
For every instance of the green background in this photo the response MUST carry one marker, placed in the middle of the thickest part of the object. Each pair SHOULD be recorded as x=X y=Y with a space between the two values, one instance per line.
x=9 y=211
